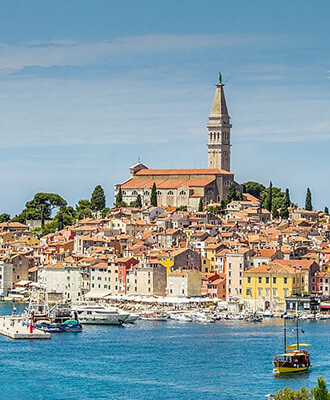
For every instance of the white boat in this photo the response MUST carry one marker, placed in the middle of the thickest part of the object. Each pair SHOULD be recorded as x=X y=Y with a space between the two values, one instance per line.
x=268 y=314
x=181 y=317
x=100 y=315
x=154 y=316
x=203 y=318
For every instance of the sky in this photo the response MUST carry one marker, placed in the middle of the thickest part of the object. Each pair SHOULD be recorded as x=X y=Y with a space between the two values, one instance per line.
x=88 y=87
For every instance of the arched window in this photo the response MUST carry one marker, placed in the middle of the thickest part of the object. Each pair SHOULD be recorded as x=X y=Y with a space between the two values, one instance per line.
x=123 y=192
x=218 y=135
x=170 y=193
x=209 y=193
x=134 y=193
x=146 y=193
x=159 y=193
x=182 y=193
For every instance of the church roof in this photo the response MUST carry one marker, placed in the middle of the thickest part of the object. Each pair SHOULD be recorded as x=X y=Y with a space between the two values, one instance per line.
x=195 y=171
x=166 y=183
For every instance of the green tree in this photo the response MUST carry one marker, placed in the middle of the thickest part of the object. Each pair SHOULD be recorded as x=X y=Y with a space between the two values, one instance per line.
x=153 y=196
x=268 y=201
x=98 y=199
x=4 y=218
x=41 y=207
x=326 y=211
x=200 y=205
x=119 y=197
x=308 y=201
x=138 y=201
x=83 y=209
x=320 y=392
x=105 y=212
x=232 y=194
x=289 y=394
x=182 y=208
x=253 y=188
x=284 y=213
x=60 y=223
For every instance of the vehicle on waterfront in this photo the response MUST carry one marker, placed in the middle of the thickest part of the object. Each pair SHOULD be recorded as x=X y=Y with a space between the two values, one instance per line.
x=100 y=315
x=294 y=359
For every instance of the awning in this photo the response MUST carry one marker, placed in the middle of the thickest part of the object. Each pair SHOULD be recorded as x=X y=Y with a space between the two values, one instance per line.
x=97 y=294
x=325 y=305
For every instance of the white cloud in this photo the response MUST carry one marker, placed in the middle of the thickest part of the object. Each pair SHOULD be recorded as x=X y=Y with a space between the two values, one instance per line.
x=73 y=52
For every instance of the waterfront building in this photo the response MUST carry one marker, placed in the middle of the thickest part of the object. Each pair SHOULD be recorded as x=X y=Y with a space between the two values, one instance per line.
x=187 y=187
x=184 y=283
x=267 y=286
x=237 y=262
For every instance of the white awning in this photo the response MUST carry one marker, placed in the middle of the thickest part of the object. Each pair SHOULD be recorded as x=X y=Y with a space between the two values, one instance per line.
x=97 y=294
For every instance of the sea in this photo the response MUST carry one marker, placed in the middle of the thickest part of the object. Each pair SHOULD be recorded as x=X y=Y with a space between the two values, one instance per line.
x=230 y=360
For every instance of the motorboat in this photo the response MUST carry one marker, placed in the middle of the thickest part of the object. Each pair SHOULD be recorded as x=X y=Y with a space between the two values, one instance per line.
x=181 y=317
x=154 y=316
x=99 y=315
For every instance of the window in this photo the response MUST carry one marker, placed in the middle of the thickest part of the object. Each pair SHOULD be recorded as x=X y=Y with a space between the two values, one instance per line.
x=182 y=193
x=159 y=193
x=259 y=292
x=285 y=281
x=92 y=285
x=267 y=279
x=274 y=280
x=259 y=280
x=170 y=193
x=274 y=292
x=267 y=292
x=285 y=292
x=249 y=279
x=134 y=193
x=146 y=193
x=248 y=292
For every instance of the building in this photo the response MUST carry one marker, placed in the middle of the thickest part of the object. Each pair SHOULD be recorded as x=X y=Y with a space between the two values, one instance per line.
x=187 y=187
x=267 y=286
x=184 y=283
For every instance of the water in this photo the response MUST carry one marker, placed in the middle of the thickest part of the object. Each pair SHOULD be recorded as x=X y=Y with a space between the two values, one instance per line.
x=165 y=360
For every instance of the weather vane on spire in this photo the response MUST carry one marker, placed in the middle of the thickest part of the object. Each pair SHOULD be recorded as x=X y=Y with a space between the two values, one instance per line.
x=220 y=77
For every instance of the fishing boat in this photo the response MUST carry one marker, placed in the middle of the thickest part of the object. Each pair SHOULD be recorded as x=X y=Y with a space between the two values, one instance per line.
x=296 y=357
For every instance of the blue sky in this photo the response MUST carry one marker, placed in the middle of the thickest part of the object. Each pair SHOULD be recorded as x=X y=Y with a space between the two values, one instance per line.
x=87 y=87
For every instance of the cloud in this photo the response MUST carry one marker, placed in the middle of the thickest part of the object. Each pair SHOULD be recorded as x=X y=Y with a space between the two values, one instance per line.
x=74 y=52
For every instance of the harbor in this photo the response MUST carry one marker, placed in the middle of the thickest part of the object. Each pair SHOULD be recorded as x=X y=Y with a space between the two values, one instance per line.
x=225 y=360
x=11 y=326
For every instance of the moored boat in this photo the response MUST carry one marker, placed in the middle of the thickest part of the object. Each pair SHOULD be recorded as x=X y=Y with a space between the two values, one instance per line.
x=100 y=315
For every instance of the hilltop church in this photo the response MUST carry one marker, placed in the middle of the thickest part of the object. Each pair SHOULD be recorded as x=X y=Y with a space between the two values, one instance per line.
x=185 y=187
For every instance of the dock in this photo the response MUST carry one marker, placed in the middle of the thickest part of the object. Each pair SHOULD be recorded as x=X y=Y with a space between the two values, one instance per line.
x=11 y=326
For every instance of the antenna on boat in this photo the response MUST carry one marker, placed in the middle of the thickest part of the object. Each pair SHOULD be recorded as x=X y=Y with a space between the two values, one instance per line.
x=284 y=334
x=297 y=332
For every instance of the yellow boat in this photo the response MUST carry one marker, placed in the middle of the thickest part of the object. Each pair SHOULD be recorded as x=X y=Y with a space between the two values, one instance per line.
x=294 y=359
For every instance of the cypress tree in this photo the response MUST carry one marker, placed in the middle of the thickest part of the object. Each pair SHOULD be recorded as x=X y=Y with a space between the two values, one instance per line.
x=308 y=202
x=60 y=224
x=326 y=210
x=284 y=213
x=119 y=197
x=232 y=194
x=200 y=205
x=153 y=196
x=98 y=199
x=320 y=392
x=269 y=199
x=138 y=201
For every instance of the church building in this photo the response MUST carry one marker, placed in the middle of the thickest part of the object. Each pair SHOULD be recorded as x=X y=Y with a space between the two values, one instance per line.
x=185 y=187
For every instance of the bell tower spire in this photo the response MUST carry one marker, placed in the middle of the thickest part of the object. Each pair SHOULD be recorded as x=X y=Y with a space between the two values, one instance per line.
x=219 y=131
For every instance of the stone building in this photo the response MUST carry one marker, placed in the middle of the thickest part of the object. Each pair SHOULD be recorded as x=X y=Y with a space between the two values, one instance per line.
x=186 y=187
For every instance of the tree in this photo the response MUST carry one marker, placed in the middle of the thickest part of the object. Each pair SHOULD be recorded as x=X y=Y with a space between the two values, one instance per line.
x=4 y=218
x=326 y=211
x=60 y=224
x=320 y=392
x=200 y=205
x=284 y=213
x=253 y=188
x=119 y=197
x=268 y=202
x=232 y=194
x=41 y=207
x=83 y=209
x=289 y=394
x=308 y=202
x=182 y=208
x=138 y=201
x=105 y=212
x=98 y=199
x=153 y=196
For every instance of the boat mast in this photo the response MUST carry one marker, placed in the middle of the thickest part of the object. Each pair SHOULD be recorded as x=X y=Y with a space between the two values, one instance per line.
x=297 y=333
x=284 y=334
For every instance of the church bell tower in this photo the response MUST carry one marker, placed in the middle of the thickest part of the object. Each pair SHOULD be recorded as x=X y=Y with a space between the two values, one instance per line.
x=219 y=131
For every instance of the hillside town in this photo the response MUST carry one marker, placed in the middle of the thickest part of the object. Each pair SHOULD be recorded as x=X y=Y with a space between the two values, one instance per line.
x=239 y=256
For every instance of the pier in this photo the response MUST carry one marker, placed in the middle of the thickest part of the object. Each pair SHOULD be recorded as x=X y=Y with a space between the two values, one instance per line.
x=12 y=327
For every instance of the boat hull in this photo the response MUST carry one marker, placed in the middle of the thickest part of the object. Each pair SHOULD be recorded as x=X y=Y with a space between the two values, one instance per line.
x=289 y=370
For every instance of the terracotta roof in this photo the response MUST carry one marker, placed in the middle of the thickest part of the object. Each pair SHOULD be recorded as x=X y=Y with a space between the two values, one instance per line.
x=204 y=171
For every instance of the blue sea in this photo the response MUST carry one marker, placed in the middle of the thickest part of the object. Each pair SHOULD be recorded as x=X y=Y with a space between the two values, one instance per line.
x=164 y=360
